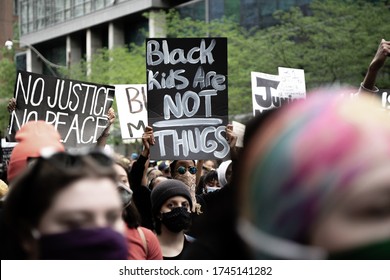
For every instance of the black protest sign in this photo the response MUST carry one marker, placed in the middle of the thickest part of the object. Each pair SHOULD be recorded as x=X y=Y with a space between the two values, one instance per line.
x=187 y=97
x=78 y=110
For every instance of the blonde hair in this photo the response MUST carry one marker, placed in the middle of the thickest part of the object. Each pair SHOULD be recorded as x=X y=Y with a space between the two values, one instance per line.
x=3 y=188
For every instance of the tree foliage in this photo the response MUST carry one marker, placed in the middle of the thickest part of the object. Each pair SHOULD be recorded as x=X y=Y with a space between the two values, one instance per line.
x=121 y=65
x=334 y=43
x=7 y=82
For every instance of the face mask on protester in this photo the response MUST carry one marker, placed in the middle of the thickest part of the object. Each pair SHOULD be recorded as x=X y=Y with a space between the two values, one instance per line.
x=84 y=244
x=211 y=189
x=187 y=178
x=177 y=219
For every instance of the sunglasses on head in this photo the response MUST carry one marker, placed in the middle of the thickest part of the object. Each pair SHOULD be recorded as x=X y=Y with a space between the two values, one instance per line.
x=73 y=160
x=183 y=169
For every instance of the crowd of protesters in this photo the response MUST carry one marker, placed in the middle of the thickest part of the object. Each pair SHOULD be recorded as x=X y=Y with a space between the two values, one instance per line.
x=311 y=182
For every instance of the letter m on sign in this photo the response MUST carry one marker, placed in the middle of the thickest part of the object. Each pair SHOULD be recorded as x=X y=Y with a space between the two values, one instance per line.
x=140 y=125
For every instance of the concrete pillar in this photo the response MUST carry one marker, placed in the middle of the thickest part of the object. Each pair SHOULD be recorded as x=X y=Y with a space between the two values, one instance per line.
x=116 y=35
x=93 y=43
x=157 y=25
x=73 y=51
x=33 y=63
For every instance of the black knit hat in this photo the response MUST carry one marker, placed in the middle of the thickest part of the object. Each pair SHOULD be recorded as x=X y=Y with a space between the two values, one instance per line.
x=167 y=189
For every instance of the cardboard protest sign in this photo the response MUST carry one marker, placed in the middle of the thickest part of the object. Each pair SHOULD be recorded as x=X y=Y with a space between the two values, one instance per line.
x=292 y=83
x=131 y=101
x=272 y=91
x=78 y=110
x=187 y=97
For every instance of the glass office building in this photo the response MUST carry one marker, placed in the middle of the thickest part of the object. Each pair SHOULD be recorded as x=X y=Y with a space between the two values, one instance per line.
x=37 y=15
x=65 y=31
x=249 y=13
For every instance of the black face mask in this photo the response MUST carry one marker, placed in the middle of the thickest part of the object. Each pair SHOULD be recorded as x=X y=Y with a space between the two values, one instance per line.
x=177 y=219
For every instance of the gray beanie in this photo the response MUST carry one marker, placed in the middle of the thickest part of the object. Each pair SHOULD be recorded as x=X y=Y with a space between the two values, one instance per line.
x=167 y=189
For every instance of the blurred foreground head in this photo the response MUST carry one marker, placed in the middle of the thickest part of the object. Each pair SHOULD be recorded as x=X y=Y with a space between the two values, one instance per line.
x=66 y=206
x=32 y=137
x=315 y=182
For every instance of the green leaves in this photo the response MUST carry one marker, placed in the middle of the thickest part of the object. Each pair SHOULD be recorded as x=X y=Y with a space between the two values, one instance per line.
x=7 y=82
x=334 y=42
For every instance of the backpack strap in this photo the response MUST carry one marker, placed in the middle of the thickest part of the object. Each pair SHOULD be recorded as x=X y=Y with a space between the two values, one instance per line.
x=143 y=238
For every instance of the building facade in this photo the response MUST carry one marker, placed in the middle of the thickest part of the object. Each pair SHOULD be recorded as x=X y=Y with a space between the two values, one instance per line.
x=8 y=19
x=65 y=31
x=61 y=32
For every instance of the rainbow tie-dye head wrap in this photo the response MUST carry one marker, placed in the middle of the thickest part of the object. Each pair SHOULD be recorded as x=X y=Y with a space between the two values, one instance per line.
x=307 y=156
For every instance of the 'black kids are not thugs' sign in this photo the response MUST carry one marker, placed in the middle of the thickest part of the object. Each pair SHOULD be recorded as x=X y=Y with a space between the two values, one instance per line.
x=187 y=97
x=78 y=110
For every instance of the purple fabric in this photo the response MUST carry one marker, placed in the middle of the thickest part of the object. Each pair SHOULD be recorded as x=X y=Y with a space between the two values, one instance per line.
x=84 y=244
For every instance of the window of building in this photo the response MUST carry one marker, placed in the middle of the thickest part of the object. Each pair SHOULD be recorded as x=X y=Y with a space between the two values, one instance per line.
x=252 y=13
x=99 y=4
x=59 y=9
x=54 y=51
x=67 y=10
x=21 y=61
x=194 y=9
x=16 y=7
x=87 y=7
x=78 y=8
x=40 y=14
x=24 y=18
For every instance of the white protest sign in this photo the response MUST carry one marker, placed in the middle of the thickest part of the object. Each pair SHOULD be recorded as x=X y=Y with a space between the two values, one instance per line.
x=264 y=87
x=239 y=130
x=272 y=91
x=6 y=150
x=292 y=83
x=131 y=102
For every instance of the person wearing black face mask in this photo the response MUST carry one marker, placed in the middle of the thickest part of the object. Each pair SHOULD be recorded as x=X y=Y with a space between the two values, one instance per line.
x=171 y=208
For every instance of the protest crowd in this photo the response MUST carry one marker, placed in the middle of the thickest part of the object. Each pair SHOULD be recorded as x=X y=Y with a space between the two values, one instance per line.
x=310 y=179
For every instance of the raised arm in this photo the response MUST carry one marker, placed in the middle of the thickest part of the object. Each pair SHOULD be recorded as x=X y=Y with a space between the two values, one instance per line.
x=137 y=173
x=232 y=140
x=376 y=64
x=102 y=141
x=11 y=105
